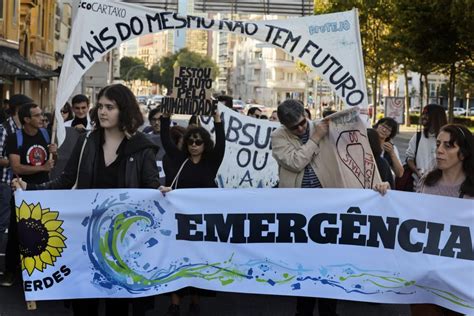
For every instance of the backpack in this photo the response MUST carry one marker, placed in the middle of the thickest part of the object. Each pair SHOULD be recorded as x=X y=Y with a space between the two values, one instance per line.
x=19 y=137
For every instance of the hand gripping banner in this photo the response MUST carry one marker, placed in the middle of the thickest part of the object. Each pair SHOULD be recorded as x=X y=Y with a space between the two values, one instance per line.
x=329 y=44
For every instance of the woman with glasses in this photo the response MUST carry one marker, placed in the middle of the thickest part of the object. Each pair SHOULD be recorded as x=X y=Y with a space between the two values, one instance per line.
x=196 y=163
x=387 y=129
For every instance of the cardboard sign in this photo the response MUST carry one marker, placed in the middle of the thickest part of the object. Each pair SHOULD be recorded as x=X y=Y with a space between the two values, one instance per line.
x=192 y=92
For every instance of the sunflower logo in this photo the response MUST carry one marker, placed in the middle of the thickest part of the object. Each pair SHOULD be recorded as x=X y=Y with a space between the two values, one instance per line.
x=41 y=240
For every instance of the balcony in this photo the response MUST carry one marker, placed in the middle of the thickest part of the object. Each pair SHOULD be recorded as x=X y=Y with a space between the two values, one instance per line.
x=284 y=84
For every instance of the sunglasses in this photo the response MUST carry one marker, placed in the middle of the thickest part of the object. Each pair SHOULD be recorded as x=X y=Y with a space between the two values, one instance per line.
x=198 y=142
x=295 y=127
x=64 y=112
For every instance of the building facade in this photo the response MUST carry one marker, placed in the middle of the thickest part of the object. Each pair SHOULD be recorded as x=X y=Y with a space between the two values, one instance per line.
x=27 y=52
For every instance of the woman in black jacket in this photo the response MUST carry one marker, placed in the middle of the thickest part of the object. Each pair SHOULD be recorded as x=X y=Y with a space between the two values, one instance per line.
x=198 y=160
x=114 y=155
x=195 y=165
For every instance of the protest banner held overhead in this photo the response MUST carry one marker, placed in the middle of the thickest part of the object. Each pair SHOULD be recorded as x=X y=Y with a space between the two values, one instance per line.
x=192 y=92
x=337 y=243
x=334 y=53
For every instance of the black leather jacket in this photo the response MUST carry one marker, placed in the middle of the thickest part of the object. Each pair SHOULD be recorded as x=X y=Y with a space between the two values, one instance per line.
x=140 y=167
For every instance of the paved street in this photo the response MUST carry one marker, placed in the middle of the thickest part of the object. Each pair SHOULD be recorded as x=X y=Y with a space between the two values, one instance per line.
x=224 y=304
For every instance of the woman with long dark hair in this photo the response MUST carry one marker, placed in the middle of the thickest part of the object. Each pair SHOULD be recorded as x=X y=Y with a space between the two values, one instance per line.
x=114 y=155
x=421 y=152
x=195 y=164
x=453 y=176
x=382 y=164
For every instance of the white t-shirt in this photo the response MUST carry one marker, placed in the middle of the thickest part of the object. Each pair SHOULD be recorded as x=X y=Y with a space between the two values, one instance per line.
x=426 y=155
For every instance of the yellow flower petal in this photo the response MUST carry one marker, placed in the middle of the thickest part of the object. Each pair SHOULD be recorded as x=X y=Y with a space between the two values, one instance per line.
x=24 y=211
x=56 y=234
x=38 y=263
x=59 y=230
x=56 y=242
x=22 y=264
x=29 y=265
x=45 y=210
x=49 y=217
x=53 y=225
x=46 y=257
x=36 y=212
x=53 y=251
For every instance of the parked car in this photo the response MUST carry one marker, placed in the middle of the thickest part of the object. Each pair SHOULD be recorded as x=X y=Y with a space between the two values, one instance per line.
x=459 y=111
x=154 y=100
x=238 y=105
x=471 y=111
x=142 y=99
x=415 y=109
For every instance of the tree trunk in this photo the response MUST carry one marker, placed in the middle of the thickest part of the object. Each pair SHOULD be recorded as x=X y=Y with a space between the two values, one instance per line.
x=389 y=82
x=407 y=97
x=374 y=97
x=452 y=86
x=420 y=84
x=427 y=88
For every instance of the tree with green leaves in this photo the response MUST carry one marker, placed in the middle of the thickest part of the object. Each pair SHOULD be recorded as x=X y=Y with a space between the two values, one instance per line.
x=374 y=20
x=132 y=68
x=434 y=36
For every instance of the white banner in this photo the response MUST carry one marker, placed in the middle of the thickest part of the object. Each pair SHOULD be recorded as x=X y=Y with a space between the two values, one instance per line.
x=248 y=161
x=338 y=243
x=329 y=44
x=353 y=154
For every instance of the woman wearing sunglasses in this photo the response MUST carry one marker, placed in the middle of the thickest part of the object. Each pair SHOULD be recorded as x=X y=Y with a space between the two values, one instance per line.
x=196 y=163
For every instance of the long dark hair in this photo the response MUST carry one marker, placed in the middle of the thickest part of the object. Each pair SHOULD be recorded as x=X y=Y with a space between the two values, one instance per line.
x=130 y=116
x=436 y=119
x=460 y=135
x=374 y=141
x=206 y=137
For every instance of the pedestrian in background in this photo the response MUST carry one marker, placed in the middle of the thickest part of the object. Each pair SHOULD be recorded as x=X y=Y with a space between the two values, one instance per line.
x=421 y=152
x=387 y=128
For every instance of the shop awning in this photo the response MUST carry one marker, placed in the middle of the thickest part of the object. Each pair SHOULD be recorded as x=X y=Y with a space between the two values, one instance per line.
x=15 y=65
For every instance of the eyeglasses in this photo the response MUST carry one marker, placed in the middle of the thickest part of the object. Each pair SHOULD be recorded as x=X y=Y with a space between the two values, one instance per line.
x=385 y=128
x=300 y=124
x=64 y=112
x=191 y=142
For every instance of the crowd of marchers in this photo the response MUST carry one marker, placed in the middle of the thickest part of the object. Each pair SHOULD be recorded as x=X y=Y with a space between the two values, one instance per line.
x=115 y=150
